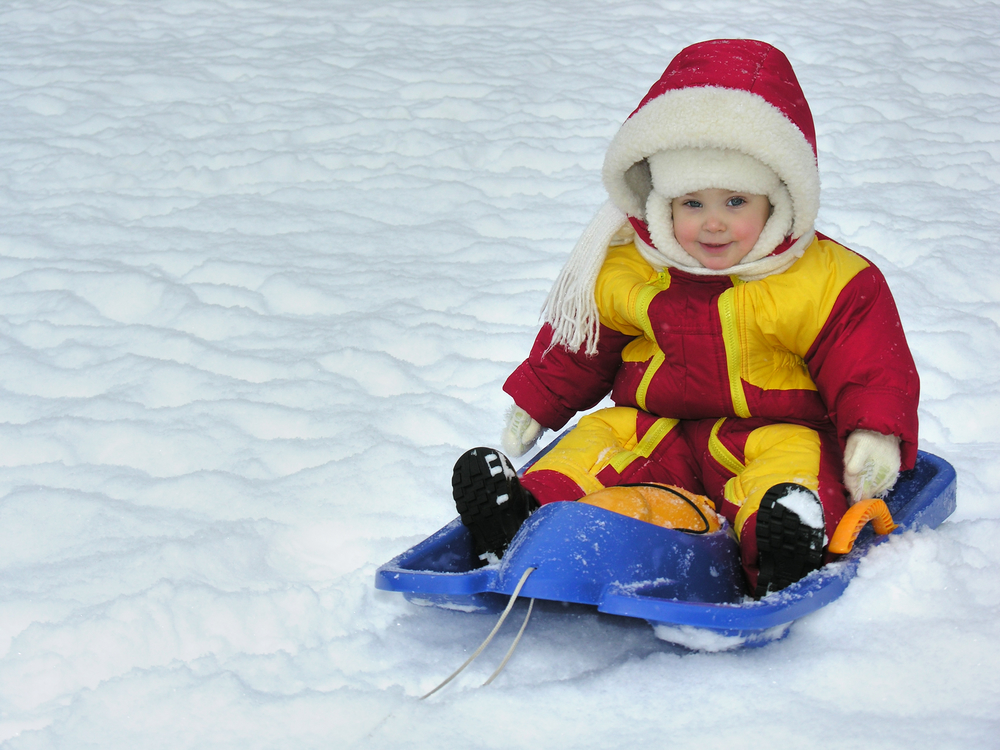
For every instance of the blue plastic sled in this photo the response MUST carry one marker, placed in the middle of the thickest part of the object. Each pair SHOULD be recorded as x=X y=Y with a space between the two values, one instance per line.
x=689 y=587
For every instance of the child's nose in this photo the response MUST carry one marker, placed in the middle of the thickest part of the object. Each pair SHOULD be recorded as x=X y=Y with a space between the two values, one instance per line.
x=714 y=223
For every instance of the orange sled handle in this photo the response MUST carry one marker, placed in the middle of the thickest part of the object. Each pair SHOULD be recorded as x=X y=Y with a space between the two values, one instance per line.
x=854 y=521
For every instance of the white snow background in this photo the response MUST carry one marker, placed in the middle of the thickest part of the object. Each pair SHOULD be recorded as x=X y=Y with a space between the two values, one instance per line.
x=264 y=266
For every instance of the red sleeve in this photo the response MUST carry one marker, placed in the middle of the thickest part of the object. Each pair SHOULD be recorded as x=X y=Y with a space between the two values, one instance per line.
x=862 y=365
x=554 y=385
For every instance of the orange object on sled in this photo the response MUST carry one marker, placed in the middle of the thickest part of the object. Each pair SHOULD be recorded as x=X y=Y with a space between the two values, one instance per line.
x=659 y=504
x=854 y=521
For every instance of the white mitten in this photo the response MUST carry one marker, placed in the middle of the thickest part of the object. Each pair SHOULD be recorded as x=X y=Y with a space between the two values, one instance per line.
x=871 y=464
x=520 y=433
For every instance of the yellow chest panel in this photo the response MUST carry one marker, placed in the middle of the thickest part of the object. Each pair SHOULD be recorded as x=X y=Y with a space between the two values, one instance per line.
x=767 y=325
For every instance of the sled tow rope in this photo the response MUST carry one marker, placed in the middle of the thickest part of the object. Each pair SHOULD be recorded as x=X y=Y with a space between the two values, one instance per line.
x=496 y=628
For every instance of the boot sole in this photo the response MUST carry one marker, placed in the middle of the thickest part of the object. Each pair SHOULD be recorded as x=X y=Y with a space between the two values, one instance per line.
x=789 y=549
x=488 y=502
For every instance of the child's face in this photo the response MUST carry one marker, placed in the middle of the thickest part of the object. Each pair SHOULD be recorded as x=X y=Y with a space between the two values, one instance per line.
x=719 y=227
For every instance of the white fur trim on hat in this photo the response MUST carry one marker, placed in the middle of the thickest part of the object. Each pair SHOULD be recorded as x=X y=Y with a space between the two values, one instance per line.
x=680 y=171
x=704 y=117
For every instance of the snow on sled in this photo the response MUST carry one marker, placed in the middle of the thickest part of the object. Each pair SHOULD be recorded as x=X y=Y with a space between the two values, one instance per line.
x=688 y=587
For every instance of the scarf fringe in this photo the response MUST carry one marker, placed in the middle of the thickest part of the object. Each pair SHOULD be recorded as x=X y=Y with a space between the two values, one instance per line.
x=571 y=308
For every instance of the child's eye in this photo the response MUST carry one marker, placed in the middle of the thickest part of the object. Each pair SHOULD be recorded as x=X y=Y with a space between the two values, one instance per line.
x=736 y=201
x=692 y=203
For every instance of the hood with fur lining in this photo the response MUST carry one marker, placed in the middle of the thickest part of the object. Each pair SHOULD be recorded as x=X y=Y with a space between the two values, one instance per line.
x=730 y=101
x=726 y=95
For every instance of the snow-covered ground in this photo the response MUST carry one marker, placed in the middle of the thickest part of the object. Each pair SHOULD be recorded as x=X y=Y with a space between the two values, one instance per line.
x=264 y=266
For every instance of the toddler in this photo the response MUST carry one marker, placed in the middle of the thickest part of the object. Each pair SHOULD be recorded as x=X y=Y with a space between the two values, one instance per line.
x=750 y=358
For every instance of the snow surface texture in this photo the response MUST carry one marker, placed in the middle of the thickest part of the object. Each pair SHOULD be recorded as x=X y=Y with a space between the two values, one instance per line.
x=264 y=266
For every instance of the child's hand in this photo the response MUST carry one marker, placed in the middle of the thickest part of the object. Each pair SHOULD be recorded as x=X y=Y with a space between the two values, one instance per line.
x=521 y=432
x=871 y=464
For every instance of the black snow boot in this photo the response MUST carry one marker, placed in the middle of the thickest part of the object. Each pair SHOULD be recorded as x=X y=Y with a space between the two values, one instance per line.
x=790 y=544
x=490 y=500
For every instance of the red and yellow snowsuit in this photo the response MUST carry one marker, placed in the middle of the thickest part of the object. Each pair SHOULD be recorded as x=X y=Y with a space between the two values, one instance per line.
x=725 y=387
